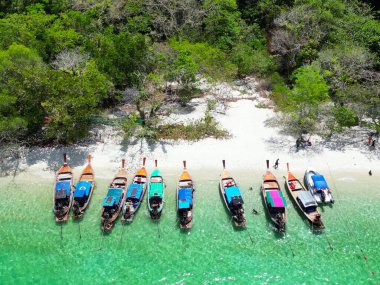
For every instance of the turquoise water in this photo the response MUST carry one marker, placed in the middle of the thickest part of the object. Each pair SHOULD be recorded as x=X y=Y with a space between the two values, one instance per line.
x=32 y=250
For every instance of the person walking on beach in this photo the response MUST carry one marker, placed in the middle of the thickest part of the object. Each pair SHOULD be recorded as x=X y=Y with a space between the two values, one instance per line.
x=373 y=143
x=276 y=164
x=370 y=140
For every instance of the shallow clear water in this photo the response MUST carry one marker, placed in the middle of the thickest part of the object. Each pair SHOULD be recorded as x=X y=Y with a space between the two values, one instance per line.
x=32 y=250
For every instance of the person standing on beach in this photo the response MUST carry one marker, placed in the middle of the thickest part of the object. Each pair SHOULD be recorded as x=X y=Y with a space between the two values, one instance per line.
x=276 y=164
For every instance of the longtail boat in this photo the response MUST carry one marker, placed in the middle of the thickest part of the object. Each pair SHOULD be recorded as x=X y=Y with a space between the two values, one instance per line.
x=274 y=200
x=63 y=189
x=185 y=199
x=232 y=197
x=155 y=197
x=304 y=200
x=135 y=194
x=317 y=186
x=114 y=199
x=83 y=190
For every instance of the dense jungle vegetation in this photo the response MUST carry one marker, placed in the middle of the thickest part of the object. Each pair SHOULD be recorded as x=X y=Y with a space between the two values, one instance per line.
x=63 y=61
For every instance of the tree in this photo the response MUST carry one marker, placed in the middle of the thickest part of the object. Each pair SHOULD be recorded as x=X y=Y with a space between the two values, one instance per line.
x=73 y=100
x=175 y=17
x=345 y=66
x=72 y=61
x=222 y=23
x=120 y=56
x=23 y=85
x=297 y=35
x=309 y=91
x=263 y=12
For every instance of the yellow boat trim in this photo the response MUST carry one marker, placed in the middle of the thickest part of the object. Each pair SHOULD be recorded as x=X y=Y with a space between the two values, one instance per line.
x=225 y=175
x=185 y=176
x=142 y=172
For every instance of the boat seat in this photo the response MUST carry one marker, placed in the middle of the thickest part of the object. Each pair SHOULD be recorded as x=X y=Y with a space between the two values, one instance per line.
x=87 y=177
x=228 y=182
x=120 y=181
x=294 y=185
x=270 y=185
x=139 y=179
x=187 y=183
x=156 y=179
x=64 y=176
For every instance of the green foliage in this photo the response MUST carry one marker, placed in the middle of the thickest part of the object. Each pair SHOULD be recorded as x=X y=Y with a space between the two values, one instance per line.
x=310 y=87
x=345 y=66
x=130 y=124
x=263 y=12
x=39 y=31
x=309 y=91
x=63 y=60
x=212 y=61
x=197 y=130
x=22 y=89
x=120 y=56
x=249 y=60
x=345 y=117
x=73 y=100
x=182 y=68
x=31 y=92
x=280 y=90
x=222 y=23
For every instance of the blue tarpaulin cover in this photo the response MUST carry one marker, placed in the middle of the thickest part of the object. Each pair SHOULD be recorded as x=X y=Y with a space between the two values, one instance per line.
x=185 y=198
x=134 y=191
x=113 y=196
x=82 y=189
x=319 y=181
x=232 y=192
x=63 y=185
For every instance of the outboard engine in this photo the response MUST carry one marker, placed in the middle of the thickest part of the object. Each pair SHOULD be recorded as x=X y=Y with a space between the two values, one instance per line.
x=76 y=208
x=280 y=222
x=129 y=210
x=323 y=196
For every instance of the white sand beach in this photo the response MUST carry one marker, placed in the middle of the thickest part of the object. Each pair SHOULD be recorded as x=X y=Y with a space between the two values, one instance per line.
x=253 y=140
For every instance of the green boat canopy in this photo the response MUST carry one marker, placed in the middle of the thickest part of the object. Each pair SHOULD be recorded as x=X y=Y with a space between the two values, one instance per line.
x=156 y=189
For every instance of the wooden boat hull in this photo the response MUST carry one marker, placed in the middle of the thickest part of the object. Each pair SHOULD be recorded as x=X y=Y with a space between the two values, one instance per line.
x=239 y=221
x=155 y=210
x=156 y=194
x=185 y=216
x=313 y=217
x=62 y=206
x=79 y=211
x=120 y=181
x=131 y=205
x=87 y=175
x=278 y=218
x=128 y=217
x=186 y=223
x=107 y=224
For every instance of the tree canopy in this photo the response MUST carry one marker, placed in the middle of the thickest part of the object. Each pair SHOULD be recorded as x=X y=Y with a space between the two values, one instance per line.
x=62 y=61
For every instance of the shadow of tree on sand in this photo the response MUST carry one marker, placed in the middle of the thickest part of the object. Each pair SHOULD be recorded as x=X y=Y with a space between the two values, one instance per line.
x=136 y=148
x=350 y=139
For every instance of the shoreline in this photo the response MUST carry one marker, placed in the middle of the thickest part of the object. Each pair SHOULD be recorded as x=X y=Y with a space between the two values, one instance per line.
x=251 y=143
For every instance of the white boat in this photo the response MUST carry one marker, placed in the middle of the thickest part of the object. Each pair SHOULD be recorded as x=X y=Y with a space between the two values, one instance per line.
x=317 y=186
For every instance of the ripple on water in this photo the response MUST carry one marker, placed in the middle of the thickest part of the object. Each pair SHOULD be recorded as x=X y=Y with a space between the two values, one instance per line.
x=32 y=250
